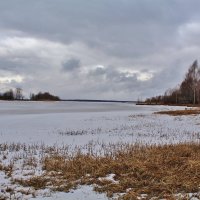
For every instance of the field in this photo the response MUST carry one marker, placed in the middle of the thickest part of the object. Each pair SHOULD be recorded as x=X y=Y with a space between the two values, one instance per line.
x=71 y=150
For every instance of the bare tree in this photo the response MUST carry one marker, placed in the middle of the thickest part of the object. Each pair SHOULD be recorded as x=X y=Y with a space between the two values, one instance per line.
x=18 y=94
x=190 y=84
x=188 y=92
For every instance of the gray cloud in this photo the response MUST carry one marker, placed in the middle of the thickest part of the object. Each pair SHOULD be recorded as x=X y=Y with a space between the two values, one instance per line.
x=71 y=64
x=110 y=74
x=120 y=28
x=109 y=80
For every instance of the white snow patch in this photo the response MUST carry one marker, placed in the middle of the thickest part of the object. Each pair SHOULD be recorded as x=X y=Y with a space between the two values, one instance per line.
x=82 y=193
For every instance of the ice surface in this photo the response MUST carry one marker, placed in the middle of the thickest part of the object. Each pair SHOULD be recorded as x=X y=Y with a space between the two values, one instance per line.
x=75 y=123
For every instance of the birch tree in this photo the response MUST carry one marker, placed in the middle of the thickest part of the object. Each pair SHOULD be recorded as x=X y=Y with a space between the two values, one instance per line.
x=190 y=85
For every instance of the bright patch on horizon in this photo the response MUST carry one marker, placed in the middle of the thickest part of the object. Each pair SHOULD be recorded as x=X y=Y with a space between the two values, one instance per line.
x=140 y=75
x=144 y=76
x=9 y=79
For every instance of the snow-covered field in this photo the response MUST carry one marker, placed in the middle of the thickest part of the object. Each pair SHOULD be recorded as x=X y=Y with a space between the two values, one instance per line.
x=78 y=125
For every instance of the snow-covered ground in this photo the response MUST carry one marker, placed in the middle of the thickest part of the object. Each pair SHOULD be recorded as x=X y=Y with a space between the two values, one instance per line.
x=75 y=123
x=79 y=124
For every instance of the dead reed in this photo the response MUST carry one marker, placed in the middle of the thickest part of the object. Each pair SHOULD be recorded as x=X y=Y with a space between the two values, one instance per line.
x=179 y=112
x=160 y=172
x=156 y=171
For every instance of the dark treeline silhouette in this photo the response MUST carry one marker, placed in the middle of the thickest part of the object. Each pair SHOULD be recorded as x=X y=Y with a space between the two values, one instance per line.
x=187 y=93
x=46 y=96
x=17 y=94
x=12 y=95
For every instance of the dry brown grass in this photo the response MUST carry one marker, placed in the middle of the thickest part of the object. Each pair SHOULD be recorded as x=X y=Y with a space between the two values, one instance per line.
x=179 y=112
x=37 y=182
x=157 y=171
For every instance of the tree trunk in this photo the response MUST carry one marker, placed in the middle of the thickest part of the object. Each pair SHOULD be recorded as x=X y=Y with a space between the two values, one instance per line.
x=194 y=100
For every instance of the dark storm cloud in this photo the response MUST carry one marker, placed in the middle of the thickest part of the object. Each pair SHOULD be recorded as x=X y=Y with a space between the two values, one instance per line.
x=131 y=39
x=71 y=64
x=118 y=27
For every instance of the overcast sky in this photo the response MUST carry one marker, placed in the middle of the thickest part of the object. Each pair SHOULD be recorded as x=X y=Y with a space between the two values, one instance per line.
x=97 y=49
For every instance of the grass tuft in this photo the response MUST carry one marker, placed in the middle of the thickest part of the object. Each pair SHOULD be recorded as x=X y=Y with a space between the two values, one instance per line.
x=37 y=182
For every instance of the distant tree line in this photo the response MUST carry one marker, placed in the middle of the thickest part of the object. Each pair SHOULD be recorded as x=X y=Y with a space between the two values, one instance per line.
x=46 y=96
x=187 y=93
x=17 y=94
x=12 y=94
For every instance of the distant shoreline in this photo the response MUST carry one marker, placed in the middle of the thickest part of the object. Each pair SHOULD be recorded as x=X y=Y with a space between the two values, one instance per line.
x=160 y=104
x=77 y=100
x=96 y=100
